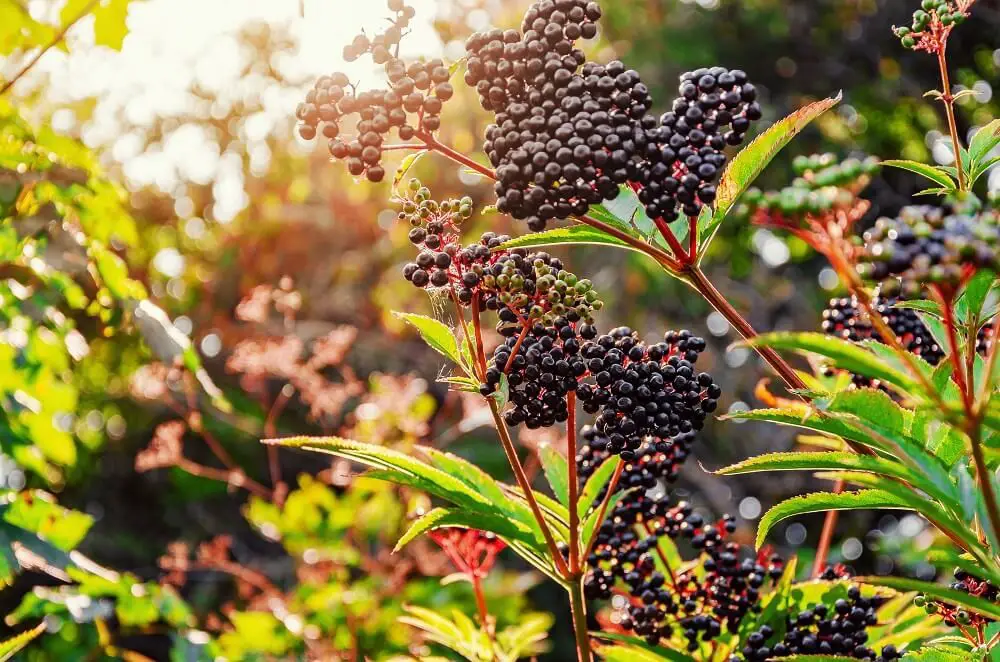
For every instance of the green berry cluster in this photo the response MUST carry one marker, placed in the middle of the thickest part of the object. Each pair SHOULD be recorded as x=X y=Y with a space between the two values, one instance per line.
x=538 y=287
x=928 y=246
x=933 y=14
x=822 y=183
x=418 y=208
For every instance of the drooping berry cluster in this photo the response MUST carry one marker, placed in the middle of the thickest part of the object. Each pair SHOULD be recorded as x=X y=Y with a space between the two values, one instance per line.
x=542 y=366
x=820 y=630
x=684 y=154
x=412 y=104
x=822 y=184
x=926 y=246
x=646 y=390
x=957 y=616
x=931 y=25
x=568 y=133
x=655 y=460
x=845 y=319
x=699 y=602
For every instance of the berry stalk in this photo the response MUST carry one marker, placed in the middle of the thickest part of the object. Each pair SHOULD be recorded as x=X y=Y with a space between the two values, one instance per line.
x=949 y=108
x=574 y=486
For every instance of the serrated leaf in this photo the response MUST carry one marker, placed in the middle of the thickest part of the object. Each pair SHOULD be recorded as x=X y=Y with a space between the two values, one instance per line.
x=438 y=518
x=843 y=354
x=595 y=485
x=984 y=141
x=574 y=234
x=556 y=472
x=819 y=502
x=938 y=592
x=635 y=649
x=751 y=161
x=436 y=334
x=932 y=173
x=925 y=305
x=974 y=294
x=10 y=647
x=809 y=461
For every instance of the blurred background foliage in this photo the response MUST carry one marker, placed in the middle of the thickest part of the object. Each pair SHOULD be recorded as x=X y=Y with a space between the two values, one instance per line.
x=183 y=276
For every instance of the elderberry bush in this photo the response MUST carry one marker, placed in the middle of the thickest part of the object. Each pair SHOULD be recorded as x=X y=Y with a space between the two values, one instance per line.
x=840 y=630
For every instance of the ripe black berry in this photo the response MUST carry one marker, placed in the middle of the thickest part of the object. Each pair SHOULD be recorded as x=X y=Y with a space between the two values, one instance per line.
x=646 y=391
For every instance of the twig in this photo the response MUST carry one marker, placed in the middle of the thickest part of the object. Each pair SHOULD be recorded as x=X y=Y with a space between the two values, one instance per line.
x=59 y=36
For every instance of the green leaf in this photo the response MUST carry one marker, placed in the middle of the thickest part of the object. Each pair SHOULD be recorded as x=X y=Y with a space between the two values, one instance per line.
x=810 y=461
x=843 y=354
x=925 y=305
x=436 y=334
x=984 y=141
x=932 y=173
x=974 y=295
x=556 y=472
x=628 y=212
x=938 y=592
x=981 y=169
x=10 y=647
x=110 y=25
x=476 y=479
x=823 y=501
x=596 y=483
x=591 y=520
x=438 y=518
x=635 y=649
x=772 y=604
x=751 y=161
x=574 y=234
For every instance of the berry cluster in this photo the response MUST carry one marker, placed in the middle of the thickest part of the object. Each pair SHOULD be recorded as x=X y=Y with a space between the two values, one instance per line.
x=542 y=367
x=931 y=25
x=925 y=246
x=820 y=630
x=418 y=89
x=953 y=615
x=435 y=229
x=822 y=185
x=646 y=391
x=699 y=602
x=568 y=133
x=844 y=319
x=683 y=155
x=655 y=460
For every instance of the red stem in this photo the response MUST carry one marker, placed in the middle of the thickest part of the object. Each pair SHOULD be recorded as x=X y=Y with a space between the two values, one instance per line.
x=826 y=536
x=574 y=488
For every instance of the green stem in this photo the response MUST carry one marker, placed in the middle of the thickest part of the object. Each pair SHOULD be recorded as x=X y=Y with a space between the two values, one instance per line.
x=579 y=609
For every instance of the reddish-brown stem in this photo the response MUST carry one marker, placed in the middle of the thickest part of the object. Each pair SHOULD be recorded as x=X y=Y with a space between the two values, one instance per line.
x=478 y=330
x=579 y=609
x=430 y=142
x=465 y=332
x=693 y=239
x=525 y=485
x=517 y=346
x=252 y=577
x=234 y=477
x=962 y=380
x=663 y=557
x=574 y=488
x=949 y=108
x=700 y=282
x=511 y=451
x=826 y=536
x=271 y=431
x=56 y=39
x=605 y=503
x=484 y=614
